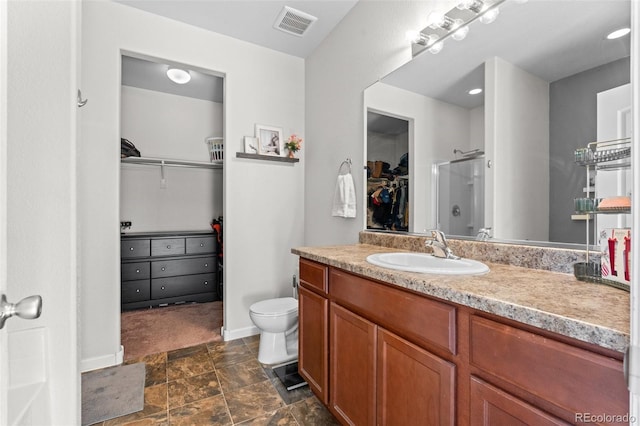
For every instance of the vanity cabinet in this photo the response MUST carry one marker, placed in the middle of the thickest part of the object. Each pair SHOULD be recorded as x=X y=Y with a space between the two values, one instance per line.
x=165 y=268
x=399 y=357
x=313 y=328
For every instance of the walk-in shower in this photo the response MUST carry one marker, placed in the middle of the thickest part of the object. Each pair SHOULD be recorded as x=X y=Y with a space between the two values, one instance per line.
x=459 y=194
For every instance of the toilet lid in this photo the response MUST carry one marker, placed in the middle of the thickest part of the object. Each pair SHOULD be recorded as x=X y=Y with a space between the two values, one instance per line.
x=283 y=305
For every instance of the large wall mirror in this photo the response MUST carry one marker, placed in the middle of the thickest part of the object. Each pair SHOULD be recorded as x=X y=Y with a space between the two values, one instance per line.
x=500 y=163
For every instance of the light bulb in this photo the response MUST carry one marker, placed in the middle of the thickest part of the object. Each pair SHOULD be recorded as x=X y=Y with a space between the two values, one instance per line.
x=475 y=91
x=435 y=19
x=415 y=37
x=178 y=75
x=437 y=46
x=460 y=31
x=490 y=15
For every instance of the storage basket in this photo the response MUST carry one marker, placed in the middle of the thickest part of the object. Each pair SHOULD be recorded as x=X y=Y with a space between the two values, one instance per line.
x=216 y=149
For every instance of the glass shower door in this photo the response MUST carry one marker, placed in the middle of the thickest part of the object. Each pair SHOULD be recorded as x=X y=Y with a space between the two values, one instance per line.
x=460 y=196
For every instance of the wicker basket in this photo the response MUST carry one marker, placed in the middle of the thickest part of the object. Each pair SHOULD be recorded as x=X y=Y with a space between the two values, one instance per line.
x=216 y=149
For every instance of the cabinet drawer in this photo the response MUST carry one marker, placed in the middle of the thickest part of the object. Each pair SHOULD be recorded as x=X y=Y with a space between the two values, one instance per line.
x=169 y=268
x=135 y=291
x=570 y=378
x=179 y=286
x=201 y=245
x=134 y=271
x=491 y=406
x=134 y=248
x=167 y=246
x=416 y=318
x=314 y=275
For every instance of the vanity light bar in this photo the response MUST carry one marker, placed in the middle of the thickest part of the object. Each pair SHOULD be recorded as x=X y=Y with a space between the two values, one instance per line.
x=453 y=27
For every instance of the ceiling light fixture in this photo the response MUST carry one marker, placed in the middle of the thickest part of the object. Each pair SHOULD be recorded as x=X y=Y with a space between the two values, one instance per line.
x=475 y=91
x=455 y=26
x=178 y=75
x=618 y=33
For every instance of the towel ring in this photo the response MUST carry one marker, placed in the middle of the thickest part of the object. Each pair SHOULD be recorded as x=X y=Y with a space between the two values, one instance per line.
x=348 y=163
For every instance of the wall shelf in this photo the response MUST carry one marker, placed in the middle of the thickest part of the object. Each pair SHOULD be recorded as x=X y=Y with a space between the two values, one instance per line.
x=170 y=162
x=266 y=157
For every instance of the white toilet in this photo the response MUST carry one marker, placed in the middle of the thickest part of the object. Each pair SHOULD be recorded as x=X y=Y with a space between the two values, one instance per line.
x=277 y=320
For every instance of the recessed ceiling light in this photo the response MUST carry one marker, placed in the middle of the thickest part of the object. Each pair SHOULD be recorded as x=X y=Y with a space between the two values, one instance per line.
x=475 y=91
x=178 y=75
x=619 y=33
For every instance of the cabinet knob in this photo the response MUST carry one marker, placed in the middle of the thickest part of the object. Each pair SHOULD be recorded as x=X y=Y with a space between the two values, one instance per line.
x=137 y=290
x=206 y=283
x=168 y=246
x=206 y=264
x=163 y=268
x=162 y=288
x=137 y=271
x=130 y=248
x=201 y=244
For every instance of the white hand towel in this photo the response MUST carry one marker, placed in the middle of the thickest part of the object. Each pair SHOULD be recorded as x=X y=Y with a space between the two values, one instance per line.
x=344 y=198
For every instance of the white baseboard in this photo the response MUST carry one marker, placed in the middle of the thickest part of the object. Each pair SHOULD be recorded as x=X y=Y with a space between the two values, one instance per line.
x=239 y=333
x=104 y=361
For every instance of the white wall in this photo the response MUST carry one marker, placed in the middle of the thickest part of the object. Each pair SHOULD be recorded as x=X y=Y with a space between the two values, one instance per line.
x=436 y=128
x=263 y=200
x=519 y=140
x=163 y=125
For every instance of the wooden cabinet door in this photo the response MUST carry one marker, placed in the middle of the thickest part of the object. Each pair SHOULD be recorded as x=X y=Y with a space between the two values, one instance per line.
x=313 y=334
x=352 y=367
x=414 y=386
x=491 y=406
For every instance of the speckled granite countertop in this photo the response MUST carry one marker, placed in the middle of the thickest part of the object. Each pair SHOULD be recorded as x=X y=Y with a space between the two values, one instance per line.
x=552 y=301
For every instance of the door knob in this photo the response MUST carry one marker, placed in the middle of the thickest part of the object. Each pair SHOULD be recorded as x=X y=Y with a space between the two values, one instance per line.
x=28 y=308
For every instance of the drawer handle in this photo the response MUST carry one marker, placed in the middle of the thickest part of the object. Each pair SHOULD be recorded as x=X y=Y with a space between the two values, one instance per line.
x=206 y=283
x=168 y=246
x=201 y=244
x=130 y=248
x=162 y=269
x=137 y=290
x=137 y=271
x=162 y=288
x=206 y=264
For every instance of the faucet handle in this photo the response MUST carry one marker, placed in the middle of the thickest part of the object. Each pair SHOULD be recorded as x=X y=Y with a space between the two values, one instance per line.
x=438 y=235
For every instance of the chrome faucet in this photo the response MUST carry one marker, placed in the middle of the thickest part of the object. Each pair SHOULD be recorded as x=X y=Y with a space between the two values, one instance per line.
x=484 y=234
x=438 y=243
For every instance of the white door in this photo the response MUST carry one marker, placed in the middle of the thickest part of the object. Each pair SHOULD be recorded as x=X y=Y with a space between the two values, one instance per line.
x=39 y=374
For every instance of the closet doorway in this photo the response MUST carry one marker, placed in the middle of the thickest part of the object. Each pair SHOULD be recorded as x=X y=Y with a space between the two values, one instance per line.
x=387 y=172
x=171 y=205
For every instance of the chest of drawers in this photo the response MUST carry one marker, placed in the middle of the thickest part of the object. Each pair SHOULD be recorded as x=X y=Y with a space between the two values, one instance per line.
x=167 y=268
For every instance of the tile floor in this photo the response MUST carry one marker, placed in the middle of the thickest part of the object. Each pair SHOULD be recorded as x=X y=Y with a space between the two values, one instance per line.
x=220 y=384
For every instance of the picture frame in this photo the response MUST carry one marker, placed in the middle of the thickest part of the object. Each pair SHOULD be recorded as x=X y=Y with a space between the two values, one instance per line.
x=270 y=141
x=251 y=145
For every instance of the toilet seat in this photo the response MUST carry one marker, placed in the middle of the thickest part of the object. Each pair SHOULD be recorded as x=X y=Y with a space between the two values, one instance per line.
x=275 y=307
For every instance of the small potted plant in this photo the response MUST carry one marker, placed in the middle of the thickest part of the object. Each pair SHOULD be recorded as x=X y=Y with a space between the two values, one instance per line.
x=293 y=144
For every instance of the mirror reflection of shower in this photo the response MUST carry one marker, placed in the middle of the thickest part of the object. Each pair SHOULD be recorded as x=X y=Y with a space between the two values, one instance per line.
x=460 y=194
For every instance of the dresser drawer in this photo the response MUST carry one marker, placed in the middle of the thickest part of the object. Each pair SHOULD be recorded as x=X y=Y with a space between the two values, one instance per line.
x=169 y=268
x=135 y=271
x=135 y=291
x=201 y=245
x=418 y=319
x=179 y=286
x=167 y=246
x=571 y=378
x=314 y=275
x=134 y=248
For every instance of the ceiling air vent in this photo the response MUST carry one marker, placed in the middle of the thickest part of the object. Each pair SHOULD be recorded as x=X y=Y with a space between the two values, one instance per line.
x=293 y=21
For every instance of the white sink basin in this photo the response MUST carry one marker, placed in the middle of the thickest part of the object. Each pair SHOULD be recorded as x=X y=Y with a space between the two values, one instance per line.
x=427 y=264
